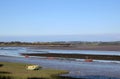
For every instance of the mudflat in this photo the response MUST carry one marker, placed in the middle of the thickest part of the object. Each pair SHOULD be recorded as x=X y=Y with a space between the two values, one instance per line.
x=82 y=47
x=79 y=56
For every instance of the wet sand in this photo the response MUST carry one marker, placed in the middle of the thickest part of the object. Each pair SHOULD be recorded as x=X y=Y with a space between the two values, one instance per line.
x=82 y=47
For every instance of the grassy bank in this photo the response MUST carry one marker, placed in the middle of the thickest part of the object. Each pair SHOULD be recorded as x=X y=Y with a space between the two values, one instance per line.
x=19 y=71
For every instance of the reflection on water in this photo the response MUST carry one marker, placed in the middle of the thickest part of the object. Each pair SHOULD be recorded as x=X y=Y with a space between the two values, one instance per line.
x=12 y=51
x=78 y=69
x=15 y=51
x=79 y=51
x=84 y=70
x=94 y=77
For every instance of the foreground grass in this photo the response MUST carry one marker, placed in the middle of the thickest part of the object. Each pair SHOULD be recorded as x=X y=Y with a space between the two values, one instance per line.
x=18 y=71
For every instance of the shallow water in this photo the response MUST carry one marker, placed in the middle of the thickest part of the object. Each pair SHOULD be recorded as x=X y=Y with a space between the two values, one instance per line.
x=89 y=70
x=12 y=51
x=15 y=51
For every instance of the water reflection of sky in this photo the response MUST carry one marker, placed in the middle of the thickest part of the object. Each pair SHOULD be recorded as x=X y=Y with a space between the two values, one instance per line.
x=15 y=51
x=12 y=51
x=94 y=70
x=85 y=52
x=84 y=70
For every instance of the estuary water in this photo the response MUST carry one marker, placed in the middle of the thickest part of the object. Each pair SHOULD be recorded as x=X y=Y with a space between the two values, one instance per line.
x=77 y=69
x=16 y=51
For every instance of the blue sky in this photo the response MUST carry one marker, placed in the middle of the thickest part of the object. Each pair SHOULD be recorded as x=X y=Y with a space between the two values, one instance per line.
x=67 y=18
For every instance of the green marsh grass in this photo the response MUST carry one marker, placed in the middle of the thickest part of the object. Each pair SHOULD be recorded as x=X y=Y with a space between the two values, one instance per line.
x=19 y=71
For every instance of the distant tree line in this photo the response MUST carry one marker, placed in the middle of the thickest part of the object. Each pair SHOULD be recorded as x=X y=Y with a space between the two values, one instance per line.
x=61 y=43
x=17 y=43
